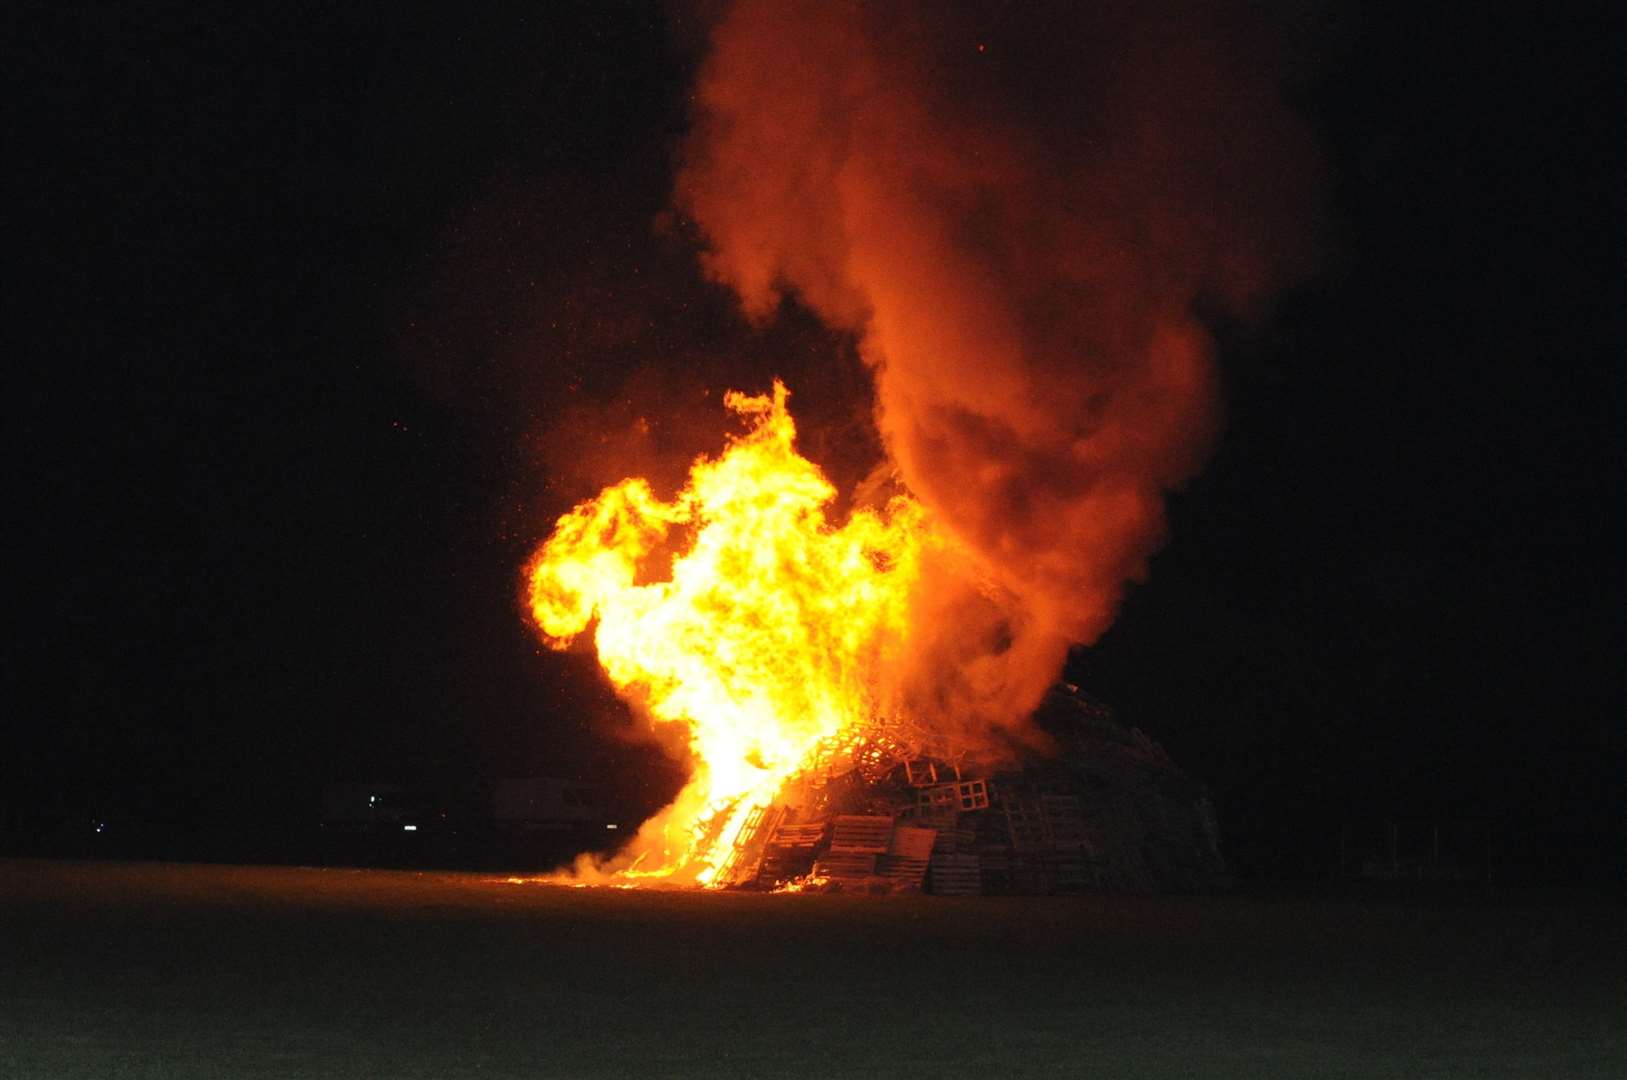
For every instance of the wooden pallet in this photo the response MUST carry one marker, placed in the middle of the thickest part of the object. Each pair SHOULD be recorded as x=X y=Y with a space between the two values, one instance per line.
x=902 y=870
x=797 y=836
x=845 y=866
x=1070 y=871
x=955 y=841
x=783 y=865
x=1025 y=822
x=1064 y=820
x=926 y=772
x=745 y=858
x=961 y=795
x=955 y=875
x=789 y=852
x=861 y=833
x=912 y=843
x=927 y=818
x=1032 y=877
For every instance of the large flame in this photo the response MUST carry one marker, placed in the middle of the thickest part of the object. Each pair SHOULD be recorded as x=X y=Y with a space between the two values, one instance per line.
x=768 y=638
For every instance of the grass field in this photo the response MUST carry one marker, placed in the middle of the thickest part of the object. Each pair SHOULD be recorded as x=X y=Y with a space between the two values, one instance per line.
x=165 y=970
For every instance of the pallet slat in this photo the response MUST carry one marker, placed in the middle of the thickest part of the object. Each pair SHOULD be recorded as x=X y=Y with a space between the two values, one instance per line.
x=861 y=833
x=845 y=866
x=955 y=875
x=901 y=870
x=912 y=843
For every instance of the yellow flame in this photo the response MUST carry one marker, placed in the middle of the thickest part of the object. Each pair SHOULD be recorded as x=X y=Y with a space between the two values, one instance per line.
x=765 y=641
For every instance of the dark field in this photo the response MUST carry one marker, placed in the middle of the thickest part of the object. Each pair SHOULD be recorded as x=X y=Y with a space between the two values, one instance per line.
x=164 y=970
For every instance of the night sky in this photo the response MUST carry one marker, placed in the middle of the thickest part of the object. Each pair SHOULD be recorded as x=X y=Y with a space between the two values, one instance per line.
x=322 y=316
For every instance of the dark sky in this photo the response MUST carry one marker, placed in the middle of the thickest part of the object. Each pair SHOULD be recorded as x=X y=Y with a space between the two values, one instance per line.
x=317 y=310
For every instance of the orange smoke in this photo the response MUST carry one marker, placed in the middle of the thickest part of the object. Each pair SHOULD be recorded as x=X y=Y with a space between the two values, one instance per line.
x=1016 y=214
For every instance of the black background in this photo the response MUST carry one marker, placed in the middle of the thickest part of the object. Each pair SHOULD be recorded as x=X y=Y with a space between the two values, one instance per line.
x=310 y=304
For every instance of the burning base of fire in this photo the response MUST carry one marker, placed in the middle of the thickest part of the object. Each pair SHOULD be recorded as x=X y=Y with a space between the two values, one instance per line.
x=1109 y=813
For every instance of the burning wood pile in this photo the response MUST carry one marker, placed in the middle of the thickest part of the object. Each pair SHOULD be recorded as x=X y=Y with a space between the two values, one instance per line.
x=1024 y=285
x=803 y=663
x=1110 y=813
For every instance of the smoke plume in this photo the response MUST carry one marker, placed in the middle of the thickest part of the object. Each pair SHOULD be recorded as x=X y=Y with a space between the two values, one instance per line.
x=1016 y=209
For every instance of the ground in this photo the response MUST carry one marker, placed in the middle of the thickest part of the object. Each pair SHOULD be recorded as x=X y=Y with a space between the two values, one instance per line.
x=177 y=971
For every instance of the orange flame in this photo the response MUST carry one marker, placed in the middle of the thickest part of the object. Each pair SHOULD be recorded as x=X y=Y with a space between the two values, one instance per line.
x=769 y=637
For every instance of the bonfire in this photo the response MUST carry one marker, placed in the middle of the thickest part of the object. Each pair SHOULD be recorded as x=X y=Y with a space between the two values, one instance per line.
x=772 y=635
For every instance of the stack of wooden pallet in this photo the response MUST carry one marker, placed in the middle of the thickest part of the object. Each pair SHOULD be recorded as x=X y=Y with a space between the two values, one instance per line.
x=905 y=862
x=861 y=833
x=955 y=839
x=1066 y=857
x=952 y=874
x=992 y=845
x=1069 y=870
x=789 y=852
x=912 y=842
x=848 y=867
x=743 y=859
x=996 y=869
x=855 y=842
x=1025 y=820
x=960 y=795
x=1031 y=874
x=1108 y=812
x=1064 y=819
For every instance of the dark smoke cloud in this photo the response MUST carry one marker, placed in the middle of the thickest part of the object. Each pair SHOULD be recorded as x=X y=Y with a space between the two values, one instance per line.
x=1016 y=208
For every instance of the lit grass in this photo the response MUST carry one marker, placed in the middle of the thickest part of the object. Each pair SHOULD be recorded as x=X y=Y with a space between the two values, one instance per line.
x=159 y=970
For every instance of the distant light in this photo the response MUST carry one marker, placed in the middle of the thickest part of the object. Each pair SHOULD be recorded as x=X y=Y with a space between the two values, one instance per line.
x=612 y=826
x=409 y=828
